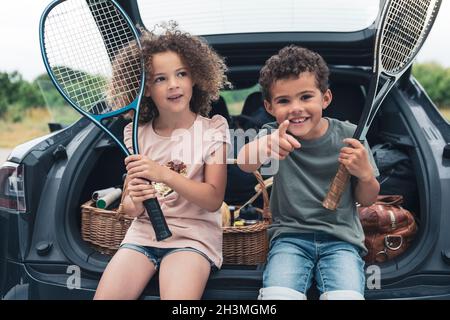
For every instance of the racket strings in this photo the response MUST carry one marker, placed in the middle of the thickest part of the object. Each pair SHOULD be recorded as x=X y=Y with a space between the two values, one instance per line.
x=82 y=40
x=125 y=82
x=406 y=25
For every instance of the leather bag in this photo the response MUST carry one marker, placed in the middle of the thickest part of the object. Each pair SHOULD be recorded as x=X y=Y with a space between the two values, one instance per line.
x=389 y=228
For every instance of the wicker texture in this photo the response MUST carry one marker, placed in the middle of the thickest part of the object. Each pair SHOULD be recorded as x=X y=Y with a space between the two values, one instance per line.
x=246 y=245
x=104 y=229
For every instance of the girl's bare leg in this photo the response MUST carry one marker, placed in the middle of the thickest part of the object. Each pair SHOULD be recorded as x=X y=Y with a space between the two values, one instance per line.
x=125 y=277
x=183 y=276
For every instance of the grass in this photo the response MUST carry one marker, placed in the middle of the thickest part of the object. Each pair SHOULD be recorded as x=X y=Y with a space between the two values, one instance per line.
x=33 y=124
x=446 y=113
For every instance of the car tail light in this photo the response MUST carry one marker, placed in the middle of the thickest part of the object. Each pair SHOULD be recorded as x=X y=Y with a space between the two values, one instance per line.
x=12 y=188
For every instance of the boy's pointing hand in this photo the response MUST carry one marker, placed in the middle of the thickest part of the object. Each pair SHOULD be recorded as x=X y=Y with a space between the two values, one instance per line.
x=281 y=143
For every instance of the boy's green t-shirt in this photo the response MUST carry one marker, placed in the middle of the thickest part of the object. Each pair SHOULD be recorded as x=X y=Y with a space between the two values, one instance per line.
x=302 y=181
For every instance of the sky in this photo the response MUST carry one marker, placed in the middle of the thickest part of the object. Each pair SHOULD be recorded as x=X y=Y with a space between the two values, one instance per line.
x=19 y=34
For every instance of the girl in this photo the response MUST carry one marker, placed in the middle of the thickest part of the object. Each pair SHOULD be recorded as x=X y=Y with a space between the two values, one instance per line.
x=183 y=153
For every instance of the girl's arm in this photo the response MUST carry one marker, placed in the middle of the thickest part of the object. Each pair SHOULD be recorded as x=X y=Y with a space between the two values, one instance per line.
x=208 y=194
x=136 y=192
x=132 y=209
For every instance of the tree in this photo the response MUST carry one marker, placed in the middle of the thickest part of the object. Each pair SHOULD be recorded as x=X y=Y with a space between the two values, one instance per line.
x=3 y=105
x=436 y=81
x=9 y=86
x=30 y=96
x=14 y=90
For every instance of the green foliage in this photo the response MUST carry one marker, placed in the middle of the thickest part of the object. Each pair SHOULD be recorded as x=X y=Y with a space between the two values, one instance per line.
x=29 y=95
x=236 y=96
x=436 y=81
x=85 y=89
x=3 y=106
x=49 y=93
x=18 y=92
x=18 y=95
x=9 y=86
x=16 y=113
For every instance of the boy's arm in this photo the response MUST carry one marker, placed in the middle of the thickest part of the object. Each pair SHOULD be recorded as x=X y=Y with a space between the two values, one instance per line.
x=277 y=145
x=366 y=191
x=355 y=157
x=249 y=158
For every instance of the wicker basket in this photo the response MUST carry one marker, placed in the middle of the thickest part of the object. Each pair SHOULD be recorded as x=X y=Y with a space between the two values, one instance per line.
x=104 y=229
x=247 y=245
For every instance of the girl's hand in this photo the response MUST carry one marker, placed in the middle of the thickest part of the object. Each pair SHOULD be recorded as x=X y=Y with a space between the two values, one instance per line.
x=140 y=190
x=356 y=160
x=279 y=144
x=139 y=166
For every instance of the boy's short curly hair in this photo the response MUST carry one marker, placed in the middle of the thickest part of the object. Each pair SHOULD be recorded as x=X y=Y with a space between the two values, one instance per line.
x=291 y=61
x=206 y=66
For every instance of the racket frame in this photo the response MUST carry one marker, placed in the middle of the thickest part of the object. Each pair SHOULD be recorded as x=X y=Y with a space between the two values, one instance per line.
x=98 y=118
x=151 y=205
x=374 y=100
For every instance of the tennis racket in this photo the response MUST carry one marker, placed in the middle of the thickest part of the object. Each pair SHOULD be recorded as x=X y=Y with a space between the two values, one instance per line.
x=83 y=44
x=402 y=29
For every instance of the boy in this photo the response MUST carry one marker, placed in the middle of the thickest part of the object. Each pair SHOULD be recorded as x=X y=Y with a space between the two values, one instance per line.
x=306 y=240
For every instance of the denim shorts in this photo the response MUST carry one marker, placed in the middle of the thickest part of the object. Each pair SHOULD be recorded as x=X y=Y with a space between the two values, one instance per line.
x=155 y=255
x=295 y=259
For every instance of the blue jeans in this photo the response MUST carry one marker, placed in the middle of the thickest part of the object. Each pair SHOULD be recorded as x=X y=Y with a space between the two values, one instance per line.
x=295 y=259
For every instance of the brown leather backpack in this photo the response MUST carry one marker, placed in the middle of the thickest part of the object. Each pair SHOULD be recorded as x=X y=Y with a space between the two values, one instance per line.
x=389 y=228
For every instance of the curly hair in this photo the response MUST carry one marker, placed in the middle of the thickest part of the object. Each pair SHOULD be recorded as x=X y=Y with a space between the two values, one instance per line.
x=291 y=61
x=206 y=66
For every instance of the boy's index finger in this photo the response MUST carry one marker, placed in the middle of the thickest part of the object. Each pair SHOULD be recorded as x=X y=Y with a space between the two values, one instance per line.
x=282 y=129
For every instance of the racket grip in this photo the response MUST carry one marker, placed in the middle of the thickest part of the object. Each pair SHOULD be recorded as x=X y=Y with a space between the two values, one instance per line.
x=337 y=188
x=157 y=219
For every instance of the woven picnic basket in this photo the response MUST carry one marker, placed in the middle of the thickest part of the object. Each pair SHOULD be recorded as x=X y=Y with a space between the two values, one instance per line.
x=247 y=245
x=104 y=229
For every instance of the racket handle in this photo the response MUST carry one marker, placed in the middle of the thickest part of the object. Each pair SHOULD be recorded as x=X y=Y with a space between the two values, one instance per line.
x=157 y=219
x=337 y=188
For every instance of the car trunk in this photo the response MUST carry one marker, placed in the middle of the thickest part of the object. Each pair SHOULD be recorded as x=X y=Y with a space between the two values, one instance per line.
x=100 y=165
x=93 y=162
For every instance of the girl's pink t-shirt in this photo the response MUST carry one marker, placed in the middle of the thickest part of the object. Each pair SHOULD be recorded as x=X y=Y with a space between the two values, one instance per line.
x=191 y=225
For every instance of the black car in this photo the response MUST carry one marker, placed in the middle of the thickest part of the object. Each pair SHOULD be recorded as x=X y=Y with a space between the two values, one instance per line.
x=44 y=182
